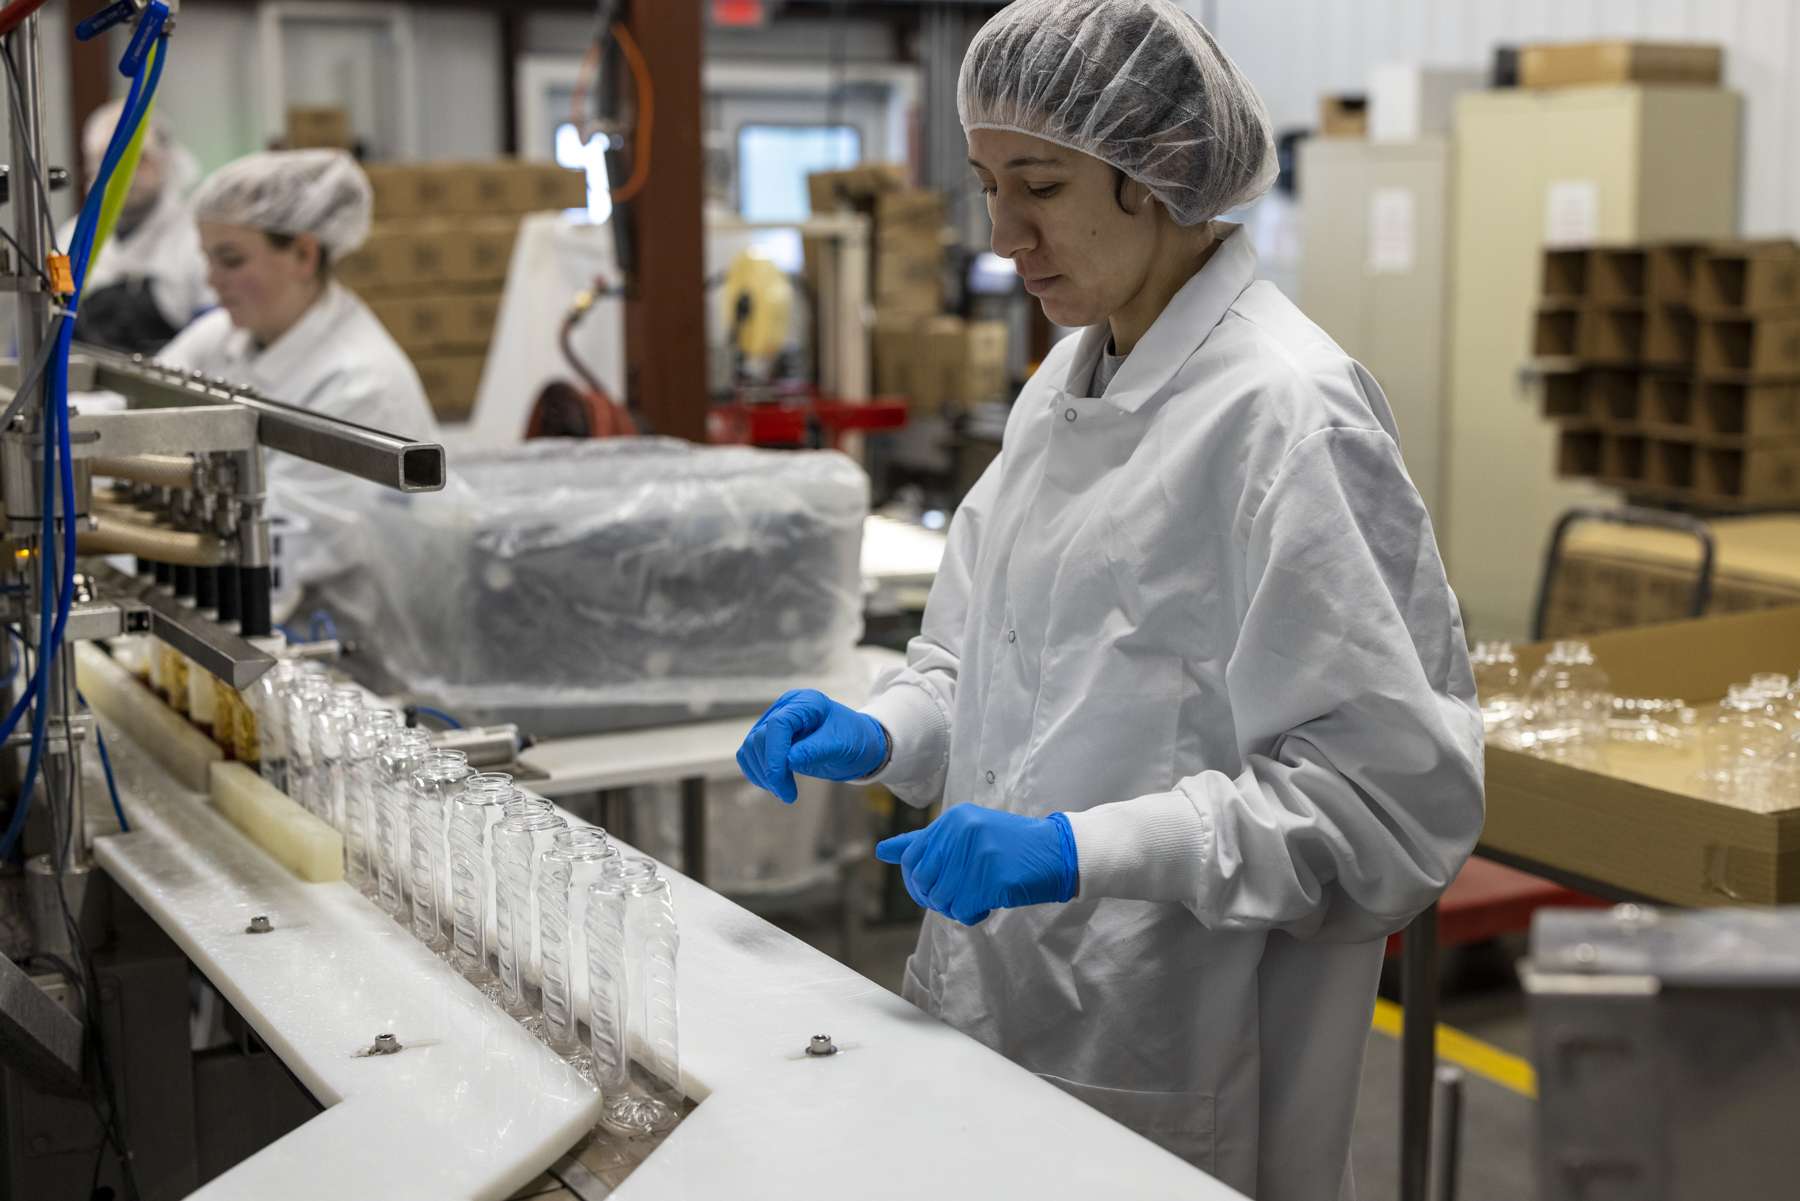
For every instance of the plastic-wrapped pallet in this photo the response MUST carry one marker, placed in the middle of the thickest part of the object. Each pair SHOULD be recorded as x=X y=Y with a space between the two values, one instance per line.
x=578 y=586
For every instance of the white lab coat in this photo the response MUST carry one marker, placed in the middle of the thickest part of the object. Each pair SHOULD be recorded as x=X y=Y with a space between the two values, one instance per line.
x=337 y=360
x=1205 y=615
x=162 y=249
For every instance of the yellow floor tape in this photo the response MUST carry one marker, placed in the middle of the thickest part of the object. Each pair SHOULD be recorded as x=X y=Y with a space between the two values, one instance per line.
x=1467 y=1052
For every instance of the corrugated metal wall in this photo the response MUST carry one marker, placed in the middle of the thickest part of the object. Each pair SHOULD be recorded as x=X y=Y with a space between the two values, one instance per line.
x=1296 y=49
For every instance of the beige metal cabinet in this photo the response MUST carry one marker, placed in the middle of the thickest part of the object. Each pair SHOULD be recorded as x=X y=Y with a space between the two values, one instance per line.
x=1373 y=230
x=1625 y=164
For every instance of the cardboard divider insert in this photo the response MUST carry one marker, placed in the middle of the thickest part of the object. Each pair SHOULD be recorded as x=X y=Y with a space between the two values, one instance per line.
x=1748 y=278
x=1669 y=273
x=1751 y=348
x=1611 y=396
x=1671 y=463
x=1670 y=336
x=1565 y=274
x=1564 y=397
x=1759 y=474
x=1579 y=453
x=1615 y=275
x=1752 y=411
x=1625 y=457
x=1666 y=402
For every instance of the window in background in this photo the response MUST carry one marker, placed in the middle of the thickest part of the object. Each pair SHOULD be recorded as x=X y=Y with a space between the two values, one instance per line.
x=773 y=162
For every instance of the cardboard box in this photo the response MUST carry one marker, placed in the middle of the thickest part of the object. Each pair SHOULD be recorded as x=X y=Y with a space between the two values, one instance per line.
x=326 y=127
x=1408 y=102
x=895 y=337
x=547 y=187
x=474 y=250
x=1670 y=336
x=1748 y=278
x=406 y=190
x=1750 y=412
x=1759 y=475
x=1669 y=272
x=438 y=322
x=1636 y=820
x=1565 y=275
x=1666 y=403
x=1575 y=64
x=855 y=189
x=960 y=363
x=451 y=382
x=1765 y=348
x=1343 y=117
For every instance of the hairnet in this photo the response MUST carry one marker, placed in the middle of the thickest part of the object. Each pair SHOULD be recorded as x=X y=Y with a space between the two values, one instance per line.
x=318 y=192
x=1138 y=84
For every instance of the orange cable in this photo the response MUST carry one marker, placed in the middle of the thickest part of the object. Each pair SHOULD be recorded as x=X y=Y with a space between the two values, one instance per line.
x=646 y=114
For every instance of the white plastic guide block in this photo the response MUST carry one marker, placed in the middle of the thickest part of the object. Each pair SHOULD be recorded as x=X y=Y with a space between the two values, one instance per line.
x=298 y=840
x=122 y=699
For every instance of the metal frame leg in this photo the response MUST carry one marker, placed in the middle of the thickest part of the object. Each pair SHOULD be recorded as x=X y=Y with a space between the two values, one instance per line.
x=693 y=829
x=1418 y=1052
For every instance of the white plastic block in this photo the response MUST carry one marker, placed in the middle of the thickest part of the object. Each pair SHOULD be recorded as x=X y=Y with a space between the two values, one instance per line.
x=122 y=699
x=299 y=841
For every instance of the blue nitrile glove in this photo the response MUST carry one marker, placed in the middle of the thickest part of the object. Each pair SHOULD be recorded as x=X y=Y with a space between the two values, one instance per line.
x=806 y=731
x=973 y=860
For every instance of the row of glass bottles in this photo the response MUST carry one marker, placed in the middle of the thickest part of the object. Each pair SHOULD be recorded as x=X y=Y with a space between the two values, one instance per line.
x=1750 y=751
x=1562 y=713
x=497 y=883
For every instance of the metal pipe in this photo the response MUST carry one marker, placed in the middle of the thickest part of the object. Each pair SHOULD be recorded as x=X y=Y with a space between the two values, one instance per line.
x=114 y=536
x=371 y=454
x=165 y=471
x=1418 y=1051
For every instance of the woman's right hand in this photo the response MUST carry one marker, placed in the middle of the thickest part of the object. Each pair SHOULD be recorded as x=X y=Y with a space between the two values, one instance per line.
x=807 y=732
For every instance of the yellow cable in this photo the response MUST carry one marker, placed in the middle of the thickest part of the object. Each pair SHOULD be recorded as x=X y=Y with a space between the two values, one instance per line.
x=119 y=187
x=1466 y=1052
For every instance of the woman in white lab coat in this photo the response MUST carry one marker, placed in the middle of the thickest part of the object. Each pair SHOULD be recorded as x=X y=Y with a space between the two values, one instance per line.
x=149 y=279
x=271 y=226
x=1191 y=683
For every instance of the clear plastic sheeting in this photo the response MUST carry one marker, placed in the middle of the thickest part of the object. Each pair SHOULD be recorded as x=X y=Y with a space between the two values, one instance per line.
x=575 y=587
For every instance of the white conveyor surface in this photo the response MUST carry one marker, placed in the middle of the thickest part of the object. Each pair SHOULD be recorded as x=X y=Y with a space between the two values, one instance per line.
x=704 y=750
x=908 y=1109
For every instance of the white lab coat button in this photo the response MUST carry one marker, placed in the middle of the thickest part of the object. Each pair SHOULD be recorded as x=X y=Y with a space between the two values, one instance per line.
x=990 y=777
x=1069 y=415
x=1012 y=635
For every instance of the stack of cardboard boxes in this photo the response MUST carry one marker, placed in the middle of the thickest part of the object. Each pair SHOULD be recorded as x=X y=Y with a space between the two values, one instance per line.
x=436 y=261
x=933 y=359
x=319 y=127
x=1674 y=370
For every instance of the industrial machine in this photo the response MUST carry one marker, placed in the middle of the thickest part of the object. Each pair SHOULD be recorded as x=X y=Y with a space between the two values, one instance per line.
x=174 y=477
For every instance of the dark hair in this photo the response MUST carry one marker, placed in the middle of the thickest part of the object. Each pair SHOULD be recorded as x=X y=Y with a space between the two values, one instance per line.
x=284 y=241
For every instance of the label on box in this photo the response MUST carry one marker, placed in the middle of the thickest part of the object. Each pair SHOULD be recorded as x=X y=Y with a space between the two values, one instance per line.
x=1572 y=213
x=1393 y=231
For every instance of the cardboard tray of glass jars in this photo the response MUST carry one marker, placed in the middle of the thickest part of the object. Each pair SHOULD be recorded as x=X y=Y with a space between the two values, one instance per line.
x=1638 y=821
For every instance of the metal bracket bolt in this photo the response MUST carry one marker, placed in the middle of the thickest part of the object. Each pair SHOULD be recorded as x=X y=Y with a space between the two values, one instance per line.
x=821 y=1045
x=385 y=1044
x=259 y=924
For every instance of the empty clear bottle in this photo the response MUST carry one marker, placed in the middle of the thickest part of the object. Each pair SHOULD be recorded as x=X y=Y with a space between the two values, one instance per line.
x=520 y=841
x=571 y=867
x=309 y=696
x=1739 y=747
x=435 y=781
x=395 y=763
x=361 y=742
x=1569 y=701
x=477 y=809
x=632 y=1012
x=330 y=728
x=267 y=701
x=1498 y=684
x=1784 y=776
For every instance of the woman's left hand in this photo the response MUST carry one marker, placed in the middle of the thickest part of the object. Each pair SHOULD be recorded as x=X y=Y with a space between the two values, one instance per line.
x=973 y=860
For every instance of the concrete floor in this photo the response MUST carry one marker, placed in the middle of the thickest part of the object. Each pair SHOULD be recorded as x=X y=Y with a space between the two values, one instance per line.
x=1481 y=998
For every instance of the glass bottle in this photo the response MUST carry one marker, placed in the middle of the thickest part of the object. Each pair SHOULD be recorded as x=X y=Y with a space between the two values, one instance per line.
x=266 y=700
x=1569 y=700
x=1497 y=684
x=632 y=1010
x=343 y=710
x=520 y=841
x=1784 y=776
x=175 y=679
x=361 y=743
x=308 y=695
x=1739 y=747
x=438 y=777
x=395 y=762
x=478 y=808
x=571 y=866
